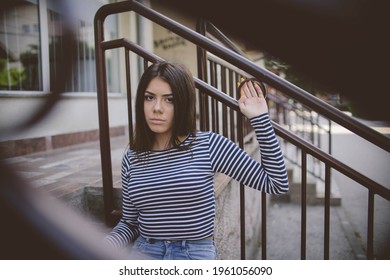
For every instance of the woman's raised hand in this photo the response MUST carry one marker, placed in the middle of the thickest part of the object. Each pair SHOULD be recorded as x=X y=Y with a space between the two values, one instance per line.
x=252 y=102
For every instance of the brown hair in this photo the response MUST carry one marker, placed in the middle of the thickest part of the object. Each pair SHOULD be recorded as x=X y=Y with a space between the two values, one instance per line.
x=183 y=89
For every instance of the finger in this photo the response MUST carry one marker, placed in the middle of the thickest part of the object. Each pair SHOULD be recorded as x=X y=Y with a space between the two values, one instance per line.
x=245 y=90
x=240 y=86
x=251 y=92
x=252 y=89
x=242 y=91
x=259 y=90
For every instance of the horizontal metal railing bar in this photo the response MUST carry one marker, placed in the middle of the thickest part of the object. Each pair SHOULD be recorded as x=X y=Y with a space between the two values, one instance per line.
x=303 y=144
x=289 y=136
x=217 y=59
x=246 y=65
x=298 y=111
x=204 y=27
x=213 y=30
x=332 y=162
x=125 y=43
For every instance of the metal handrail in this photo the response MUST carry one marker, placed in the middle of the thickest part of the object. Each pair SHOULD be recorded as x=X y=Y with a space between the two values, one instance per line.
x=268 y=77
x=214 y=31
x=233 y=58
x=206 y=28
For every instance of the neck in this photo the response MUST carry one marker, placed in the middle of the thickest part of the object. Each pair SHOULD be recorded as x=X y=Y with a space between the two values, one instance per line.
x=162 y=143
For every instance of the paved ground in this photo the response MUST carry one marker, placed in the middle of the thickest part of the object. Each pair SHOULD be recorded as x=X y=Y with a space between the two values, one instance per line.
x=60 y=171
x=68 y=169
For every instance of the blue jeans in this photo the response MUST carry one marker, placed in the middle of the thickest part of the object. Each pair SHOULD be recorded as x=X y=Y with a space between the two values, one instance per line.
x=174 y=250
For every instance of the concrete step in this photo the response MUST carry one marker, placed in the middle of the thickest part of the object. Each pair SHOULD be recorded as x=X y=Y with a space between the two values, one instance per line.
x=315 y=189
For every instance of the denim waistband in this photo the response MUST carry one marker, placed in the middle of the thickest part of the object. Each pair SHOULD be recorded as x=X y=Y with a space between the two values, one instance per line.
x=152 y=240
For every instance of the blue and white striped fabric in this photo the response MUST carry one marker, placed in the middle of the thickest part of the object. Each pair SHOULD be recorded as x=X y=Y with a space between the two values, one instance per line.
x=169 y=194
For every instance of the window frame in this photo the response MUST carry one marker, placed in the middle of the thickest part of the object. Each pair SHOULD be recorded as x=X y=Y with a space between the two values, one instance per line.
x=44 y=56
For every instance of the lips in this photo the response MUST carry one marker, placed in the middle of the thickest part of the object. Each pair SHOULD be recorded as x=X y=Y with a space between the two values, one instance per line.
x=156 y=121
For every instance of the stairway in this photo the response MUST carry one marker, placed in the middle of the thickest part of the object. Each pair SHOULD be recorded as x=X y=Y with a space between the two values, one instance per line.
x=315 y=189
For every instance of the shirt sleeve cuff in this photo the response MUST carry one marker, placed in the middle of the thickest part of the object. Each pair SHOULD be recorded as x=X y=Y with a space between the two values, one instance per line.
x=261 y=119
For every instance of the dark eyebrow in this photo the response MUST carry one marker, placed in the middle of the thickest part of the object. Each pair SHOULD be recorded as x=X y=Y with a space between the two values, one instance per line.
x=167 y=94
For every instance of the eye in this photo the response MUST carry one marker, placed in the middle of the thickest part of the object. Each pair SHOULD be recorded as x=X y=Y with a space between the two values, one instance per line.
x=169 y=99
x=148 y=97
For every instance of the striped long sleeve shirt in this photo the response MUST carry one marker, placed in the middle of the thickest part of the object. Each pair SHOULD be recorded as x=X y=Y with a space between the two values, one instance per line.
x=169 y=194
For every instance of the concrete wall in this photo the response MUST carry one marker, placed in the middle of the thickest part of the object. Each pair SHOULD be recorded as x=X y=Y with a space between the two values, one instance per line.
x=73 y=113
x=227 y=227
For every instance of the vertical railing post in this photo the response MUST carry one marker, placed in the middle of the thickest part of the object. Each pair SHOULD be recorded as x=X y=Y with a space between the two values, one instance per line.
x=370 y=226
x=105 y=148
x=232 y=84
x=240 y=138
x=224 y=107
x=263 y=226
x=303 y=204
x=129 y=98
x=202 y=74
x=330 y=136
x=213 y=102
x=327 y=213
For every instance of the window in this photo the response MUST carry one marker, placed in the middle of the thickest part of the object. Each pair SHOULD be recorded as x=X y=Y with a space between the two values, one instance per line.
x=26 y=28
x=83 y=74
x=23 y=59
x=20 y=64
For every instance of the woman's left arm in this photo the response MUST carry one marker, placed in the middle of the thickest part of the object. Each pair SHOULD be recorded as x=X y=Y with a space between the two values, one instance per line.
x=270 y=175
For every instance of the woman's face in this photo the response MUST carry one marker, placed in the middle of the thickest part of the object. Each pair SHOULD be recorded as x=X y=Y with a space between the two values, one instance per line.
x=158 y=107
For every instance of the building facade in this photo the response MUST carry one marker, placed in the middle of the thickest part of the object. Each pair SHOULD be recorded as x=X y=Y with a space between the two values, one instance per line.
x=32 y=52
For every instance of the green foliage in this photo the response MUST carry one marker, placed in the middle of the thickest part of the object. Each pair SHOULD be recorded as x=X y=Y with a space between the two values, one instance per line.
x=10 y=78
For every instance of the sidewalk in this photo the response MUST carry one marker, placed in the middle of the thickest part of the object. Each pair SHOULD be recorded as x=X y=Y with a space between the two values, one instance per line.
x=68 y=169
x=61 y=171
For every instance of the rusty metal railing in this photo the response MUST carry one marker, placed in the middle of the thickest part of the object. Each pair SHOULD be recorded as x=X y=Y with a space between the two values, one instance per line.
x=307 y=123
x=217 y=96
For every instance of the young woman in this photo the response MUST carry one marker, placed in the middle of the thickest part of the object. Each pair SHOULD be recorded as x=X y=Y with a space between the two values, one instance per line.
x=168 y=203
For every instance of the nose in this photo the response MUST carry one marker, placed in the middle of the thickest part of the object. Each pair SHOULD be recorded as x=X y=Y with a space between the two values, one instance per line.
x=157 y=106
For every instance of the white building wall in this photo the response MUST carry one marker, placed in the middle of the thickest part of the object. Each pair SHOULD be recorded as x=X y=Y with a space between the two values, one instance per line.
x=73 y=113
x=171 y=46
